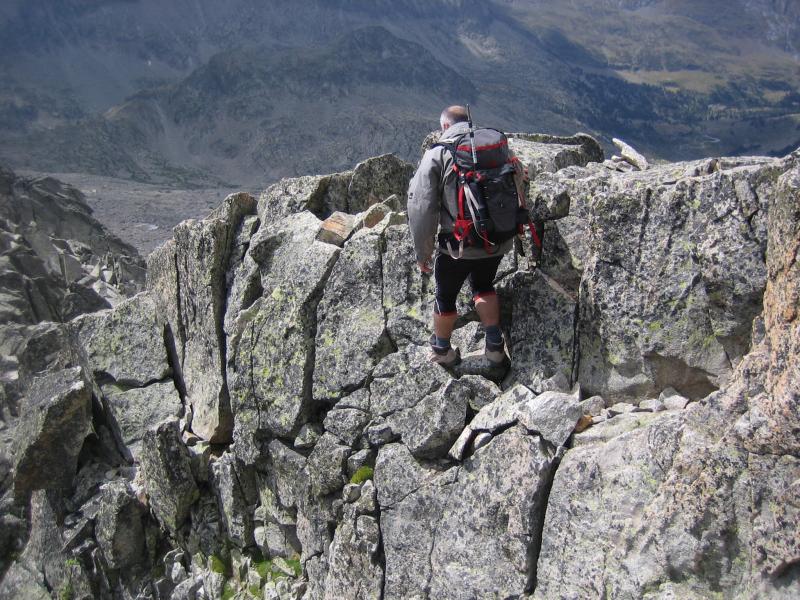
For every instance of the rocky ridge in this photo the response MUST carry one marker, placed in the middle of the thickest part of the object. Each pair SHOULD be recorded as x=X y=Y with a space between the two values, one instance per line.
x=262 y=420
x=56 y=263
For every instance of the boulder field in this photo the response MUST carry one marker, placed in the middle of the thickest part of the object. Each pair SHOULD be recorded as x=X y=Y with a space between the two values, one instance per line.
x=262 y=421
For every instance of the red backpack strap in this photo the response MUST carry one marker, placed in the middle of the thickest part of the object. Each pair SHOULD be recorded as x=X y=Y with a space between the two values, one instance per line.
x=534 y=235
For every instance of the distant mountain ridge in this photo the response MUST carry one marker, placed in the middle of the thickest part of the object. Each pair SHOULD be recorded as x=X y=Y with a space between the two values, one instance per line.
x=197 y=91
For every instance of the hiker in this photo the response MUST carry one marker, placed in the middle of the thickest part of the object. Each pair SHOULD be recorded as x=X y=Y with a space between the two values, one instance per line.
x=460 y=251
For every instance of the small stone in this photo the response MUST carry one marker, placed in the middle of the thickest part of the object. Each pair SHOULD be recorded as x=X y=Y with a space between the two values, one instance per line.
x=631 y=156
x=77 y=534
x=358 y=460
x=254 y=579
x=651 y=405
x=667 y=393
x=374 y=215
x=346 y=424
x=284 y=567
x=584 y=423
x=178 y=573
x=593 y=406
x=200 y=455
x=598 y=419
x=459 y=447
x=308 y=436
x=351 y=492
x=190 y=439
x=481 y=440
x=167 y=474
x=621 y=408
x=56 y=418
x=299 y=589
x=326 y=465
x=483 y=391
x=284 y=589
x=271 y=591
x=337 y=506
x=337 y=228
x=394 y=203
x=556 y=383
x=553 y=415
x=368 y=500
x=378 y=434
x=676 y=402
x=118 y=526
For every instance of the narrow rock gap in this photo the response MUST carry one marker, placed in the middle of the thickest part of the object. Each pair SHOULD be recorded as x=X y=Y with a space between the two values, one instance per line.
x=393 y=343
x=181 y=324
x=102 y=417
x=643 y=229
x=311 y=334
x=31 y=303
x=222 y=337
x=576 y=347
x=125 y=385
x=535 y=547
x=388 y=338
x=174 y=362
x=256 y=401
x=380 y=554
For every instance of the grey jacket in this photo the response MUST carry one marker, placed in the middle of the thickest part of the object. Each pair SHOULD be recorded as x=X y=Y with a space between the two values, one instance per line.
x=432 y=201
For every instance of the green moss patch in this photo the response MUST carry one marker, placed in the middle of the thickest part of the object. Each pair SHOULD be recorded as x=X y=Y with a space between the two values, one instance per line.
x=362 y=474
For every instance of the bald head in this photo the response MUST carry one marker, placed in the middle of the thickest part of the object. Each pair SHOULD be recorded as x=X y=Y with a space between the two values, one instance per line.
x=452 y=115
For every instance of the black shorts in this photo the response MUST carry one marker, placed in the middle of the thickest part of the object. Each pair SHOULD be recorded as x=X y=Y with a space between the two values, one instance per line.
x=450 y=274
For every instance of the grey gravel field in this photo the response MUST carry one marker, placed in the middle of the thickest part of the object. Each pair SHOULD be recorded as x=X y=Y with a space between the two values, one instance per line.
x=142 y=214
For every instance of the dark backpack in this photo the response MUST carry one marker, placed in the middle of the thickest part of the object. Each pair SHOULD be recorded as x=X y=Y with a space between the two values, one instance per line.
x=489 y=209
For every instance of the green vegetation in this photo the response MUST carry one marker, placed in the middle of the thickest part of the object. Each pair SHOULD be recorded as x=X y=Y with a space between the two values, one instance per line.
x=229 y=591
x=269 y=572
x=362 y=474
x=295 y=564
x=67 y=591
x=217 y=565
x=263 y=568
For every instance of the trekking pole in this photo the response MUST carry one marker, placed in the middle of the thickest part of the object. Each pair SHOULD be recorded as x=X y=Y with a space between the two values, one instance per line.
x=472 y=139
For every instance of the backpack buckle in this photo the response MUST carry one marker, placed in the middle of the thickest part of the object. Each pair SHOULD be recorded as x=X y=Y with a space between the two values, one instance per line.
x=461 y=229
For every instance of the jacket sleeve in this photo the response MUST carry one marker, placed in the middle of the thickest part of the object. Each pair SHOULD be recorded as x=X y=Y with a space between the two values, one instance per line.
x=424 y=201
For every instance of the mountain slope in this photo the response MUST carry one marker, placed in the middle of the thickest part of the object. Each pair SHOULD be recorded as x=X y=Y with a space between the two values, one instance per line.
x=257 y=114
x=199 y=92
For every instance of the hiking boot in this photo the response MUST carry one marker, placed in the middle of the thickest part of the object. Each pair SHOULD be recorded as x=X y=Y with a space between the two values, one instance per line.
x=495 y=353
x=447 y=357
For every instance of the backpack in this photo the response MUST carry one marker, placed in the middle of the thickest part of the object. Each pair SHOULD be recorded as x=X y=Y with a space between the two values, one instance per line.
x=490 y=211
